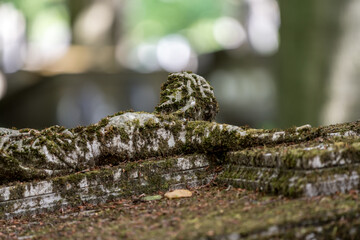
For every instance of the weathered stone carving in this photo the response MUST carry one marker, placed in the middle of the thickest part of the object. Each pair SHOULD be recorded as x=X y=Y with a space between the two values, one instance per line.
x=296 y=162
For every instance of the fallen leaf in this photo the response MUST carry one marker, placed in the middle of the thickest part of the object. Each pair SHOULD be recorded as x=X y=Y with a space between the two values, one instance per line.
x=178 y=193
x=151 y=198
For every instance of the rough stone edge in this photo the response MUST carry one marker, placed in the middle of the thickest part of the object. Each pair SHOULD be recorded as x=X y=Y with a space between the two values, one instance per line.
x=317 y=155
x=293 y=183
x=105 y=184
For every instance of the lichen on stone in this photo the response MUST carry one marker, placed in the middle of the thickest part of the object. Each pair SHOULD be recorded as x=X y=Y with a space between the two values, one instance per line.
x=182 y=123
x=189 y=96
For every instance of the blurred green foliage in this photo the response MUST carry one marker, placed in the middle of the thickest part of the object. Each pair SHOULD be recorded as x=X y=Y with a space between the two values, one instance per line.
x=148 y=20
x=41 y=14
x=160 y=17
x=32 y=8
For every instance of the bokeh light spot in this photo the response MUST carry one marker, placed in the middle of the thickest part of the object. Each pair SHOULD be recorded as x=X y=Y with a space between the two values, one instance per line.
x=12 y=38
x=50 y=38
x=229 y=33
x=263 y=25
x=173 y=53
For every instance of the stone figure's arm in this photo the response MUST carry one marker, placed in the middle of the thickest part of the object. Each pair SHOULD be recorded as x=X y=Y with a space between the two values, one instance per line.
x=27 y=153
x=181 y=124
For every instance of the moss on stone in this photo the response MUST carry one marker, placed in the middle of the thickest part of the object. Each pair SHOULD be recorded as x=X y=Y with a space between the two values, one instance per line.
x=181 y=124
x=187 y=95
x=17 y=192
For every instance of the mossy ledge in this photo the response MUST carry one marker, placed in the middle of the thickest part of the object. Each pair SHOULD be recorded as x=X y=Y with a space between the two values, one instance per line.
x=322 y=166
x=100 y=185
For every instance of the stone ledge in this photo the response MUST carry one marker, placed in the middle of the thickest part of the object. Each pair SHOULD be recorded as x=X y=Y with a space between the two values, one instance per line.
x=293 y=183
x=105 y=184
x=315 y=155
x=239 y=169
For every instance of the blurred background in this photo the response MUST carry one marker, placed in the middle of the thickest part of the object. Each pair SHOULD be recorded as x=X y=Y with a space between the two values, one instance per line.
x=272 y=63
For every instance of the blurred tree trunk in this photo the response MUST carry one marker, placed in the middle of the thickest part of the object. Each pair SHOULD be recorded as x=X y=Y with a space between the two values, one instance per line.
x=307 y=37
x=75 y=8
x=344 y=81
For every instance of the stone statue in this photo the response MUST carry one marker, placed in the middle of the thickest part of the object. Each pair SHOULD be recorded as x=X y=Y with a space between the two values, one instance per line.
x=182 y=123
x=27 y=153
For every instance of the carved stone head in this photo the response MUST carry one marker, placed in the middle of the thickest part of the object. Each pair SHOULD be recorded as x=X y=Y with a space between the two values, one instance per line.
x=187 y=95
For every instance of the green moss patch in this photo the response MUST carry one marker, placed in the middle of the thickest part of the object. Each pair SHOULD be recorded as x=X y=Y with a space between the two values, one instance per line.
x=99 y=185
